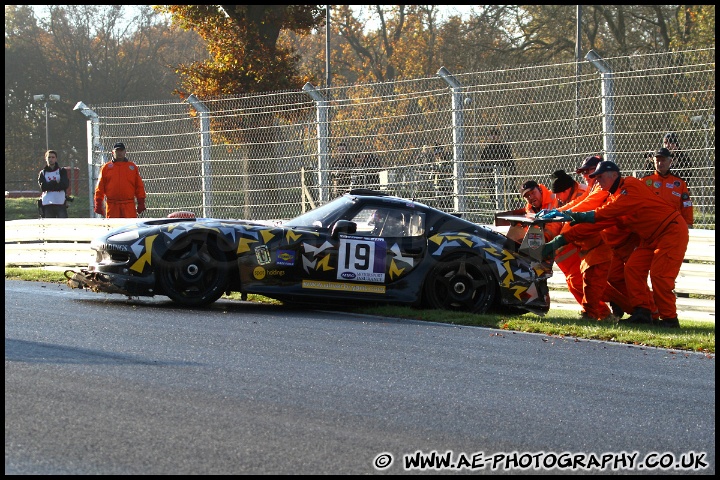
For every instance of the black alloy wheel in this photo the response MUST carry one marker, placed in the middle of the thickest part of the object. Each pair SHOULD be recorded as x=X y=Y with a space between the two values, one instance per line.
x=194 y=272
x=461 y=283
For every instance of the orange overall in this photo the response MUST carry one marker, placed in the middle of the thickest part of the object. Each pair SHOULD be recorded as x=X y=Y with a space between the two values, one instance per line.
x=663 y=236
x=120 y=182
x=674 y=190
x=594 y=254
x=567 y=257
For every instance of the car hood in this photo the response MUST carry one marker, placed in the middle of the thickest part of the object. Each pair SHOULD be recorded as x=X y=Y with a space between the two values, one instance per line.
x=148 y=226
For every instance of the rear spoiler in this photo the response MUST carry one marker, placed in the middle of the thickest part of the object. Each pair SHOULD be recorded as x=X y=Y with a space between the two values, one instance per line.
x=526 y=230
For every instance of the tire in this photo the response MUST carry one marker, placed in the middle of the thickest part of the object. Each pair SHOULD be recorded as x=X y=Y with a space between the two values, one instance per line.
x=461 y=283
x=194 y=272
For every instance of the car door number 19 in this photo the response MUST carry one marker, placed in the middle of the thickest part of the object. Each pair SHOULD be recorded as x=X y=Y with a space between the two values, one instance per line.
x=362 y=259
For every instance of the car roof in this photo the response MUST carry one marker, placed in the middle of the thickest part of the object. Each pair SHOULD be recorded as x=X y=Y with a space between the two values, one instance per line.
x=388 y=198
x=385 y=197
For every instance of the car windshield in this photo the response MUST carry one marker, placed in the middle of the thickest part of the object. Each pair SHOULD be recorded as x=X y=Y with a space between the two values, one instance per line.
x=324 y=216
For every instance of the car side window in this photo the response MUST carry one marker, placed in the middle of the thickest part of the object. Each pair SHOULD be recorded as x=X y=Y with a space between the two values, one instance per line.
x=416 y=227
x=389 y=222
x=365 y=221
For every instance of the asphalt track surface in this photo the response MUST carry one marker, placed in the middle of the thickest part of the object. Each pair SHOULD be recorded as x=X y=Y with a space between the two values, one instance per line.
x=102 y=384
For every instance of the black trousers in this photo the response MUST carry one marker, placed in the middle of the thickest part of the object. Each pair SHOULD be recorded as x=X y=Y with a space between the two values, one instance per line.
x=55 y=211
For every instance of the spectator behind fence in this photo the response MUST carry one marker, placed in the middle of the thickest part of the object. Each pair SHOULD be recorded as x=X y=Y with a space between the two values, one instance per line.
x=120 y=184
x=680 y=159
x=342 y=164
x=497 y=158
x=497 y=155
x=53 y=182
x=442 y=178
x=366 y=171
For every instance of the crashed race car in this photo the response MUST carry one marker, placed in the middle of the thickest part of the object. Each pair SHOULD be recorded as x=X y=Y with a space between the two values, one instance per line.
x=365 y=247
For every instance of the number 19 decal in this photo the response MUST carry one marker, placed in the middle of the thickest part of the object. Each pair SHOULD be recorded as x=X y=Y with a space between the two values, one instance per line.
x=362 y=259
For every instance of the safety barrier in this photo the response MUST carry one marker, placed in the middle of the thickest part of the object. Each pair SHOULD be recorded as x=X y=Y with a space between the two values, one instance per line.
x=54 y=242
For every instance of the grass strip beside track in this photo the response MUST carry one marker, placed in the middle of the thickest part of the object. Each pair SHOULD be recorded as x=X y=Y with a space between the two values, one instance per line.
x=693 y=336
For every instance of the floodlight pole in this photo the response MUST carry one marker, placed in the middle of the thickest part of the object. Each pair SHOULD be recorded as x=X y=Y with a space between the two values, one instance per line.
x=606 y=74
x=46 y=99
x=322 y=133
x=205 y=154
x=93 y=142
x=458 y=139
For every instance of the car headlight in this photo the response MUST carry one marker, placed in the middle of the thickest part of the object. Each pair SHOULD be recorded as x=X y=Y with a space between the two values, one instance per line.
x=125 y=236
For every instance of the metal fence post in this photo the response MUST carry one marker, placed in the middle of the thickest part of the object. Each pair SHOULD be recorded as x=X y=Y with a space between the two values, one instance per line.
x=458 y=139
x=322 y=133
x=93 y=144
x=205 y=154
x=607 y=95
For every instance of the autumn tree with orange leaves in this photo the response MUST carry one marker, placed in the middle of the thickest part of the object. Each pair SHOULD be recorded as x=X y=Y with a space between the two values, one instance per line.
x=242 y=41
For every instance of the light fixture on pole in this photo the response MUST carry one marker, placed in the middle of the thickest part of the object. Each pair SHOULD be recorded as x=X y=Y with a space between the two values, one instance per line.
x=46 y=99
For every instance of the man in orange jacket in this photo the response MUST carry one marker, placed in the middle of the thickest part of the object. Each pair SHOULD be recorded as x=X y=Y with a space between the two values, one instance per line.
x=120 y=183
x=670 y=187
x=538 y=198
x=593 y=252
x=663 y=241
x=666 y=185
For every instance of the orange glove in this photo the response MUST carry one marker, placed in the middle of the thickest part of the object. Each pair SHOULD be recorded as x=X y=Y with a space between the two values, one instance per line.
x=99 y=209
x=141 y=206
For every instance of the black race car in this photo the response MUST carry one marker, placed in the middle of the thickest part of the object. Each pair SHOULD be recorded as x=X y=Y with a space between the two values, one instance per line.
x=363 y=247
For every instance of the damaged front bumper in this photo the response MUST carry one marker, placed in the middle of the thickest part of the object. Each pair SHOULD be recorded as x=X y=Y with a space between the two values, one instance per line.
x=100 y=282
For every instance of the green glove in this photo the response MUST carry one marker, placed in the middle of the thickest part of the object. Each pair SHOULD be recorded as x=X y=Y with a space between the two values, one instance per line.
x=581 y=217
x=550 y=247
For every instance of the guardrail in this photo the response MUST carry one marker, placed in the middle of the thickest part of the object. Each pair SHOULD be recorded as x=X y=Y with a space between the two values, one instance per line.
x=56 y=242
x=65 y=242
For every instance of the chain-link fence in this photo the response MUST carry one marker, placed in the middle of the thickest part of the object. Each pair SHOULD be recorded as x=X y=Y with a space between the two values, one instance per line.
x=459 y=141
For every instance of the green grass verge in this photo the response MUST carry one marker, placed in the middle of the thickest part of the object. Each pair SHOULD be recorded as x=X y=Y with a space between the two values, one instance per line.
x=26 y=208
x=693 y=336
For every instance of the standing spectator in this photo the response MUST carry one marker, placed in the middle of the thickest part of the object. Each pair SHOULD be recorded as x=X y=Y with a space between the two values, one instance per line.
x=342 y=163
x=497 y=158
x=366 y=171
x=681 y=161
x=663 y=236
x=442 y=177
x=670 y=186
x=120 y=183
x=53 y=182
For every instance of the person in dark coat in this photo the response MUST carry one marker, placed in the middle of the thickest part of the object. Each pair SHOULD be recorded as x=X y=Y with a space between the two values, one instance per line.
x=53 y=181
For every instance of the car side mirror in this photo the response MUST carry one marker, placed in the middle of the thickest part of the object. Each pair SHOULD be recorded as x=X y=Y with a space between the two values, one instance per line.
x=343 y=226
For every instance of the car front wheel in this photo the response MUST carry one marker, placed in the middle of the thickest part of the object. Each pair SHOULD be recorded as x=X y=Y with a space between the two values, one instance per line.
x=194 y=272
x=461 y=283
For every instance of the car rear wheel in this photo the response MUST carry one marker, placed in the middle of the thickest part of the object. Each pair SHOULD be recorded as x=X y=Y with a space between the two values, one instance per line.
x=194 y=272
x=461 y=283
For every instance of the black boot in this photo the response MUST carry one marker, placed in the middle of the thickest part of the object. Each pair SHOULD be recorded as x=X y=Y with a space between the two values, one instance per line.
x=616 y=310
x=668 y=323
x=640 y=316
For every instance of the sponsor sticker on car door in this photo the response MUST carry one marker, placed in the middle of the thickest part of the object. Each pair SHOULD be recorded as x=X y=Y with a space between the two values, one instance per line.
x=362 y=259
